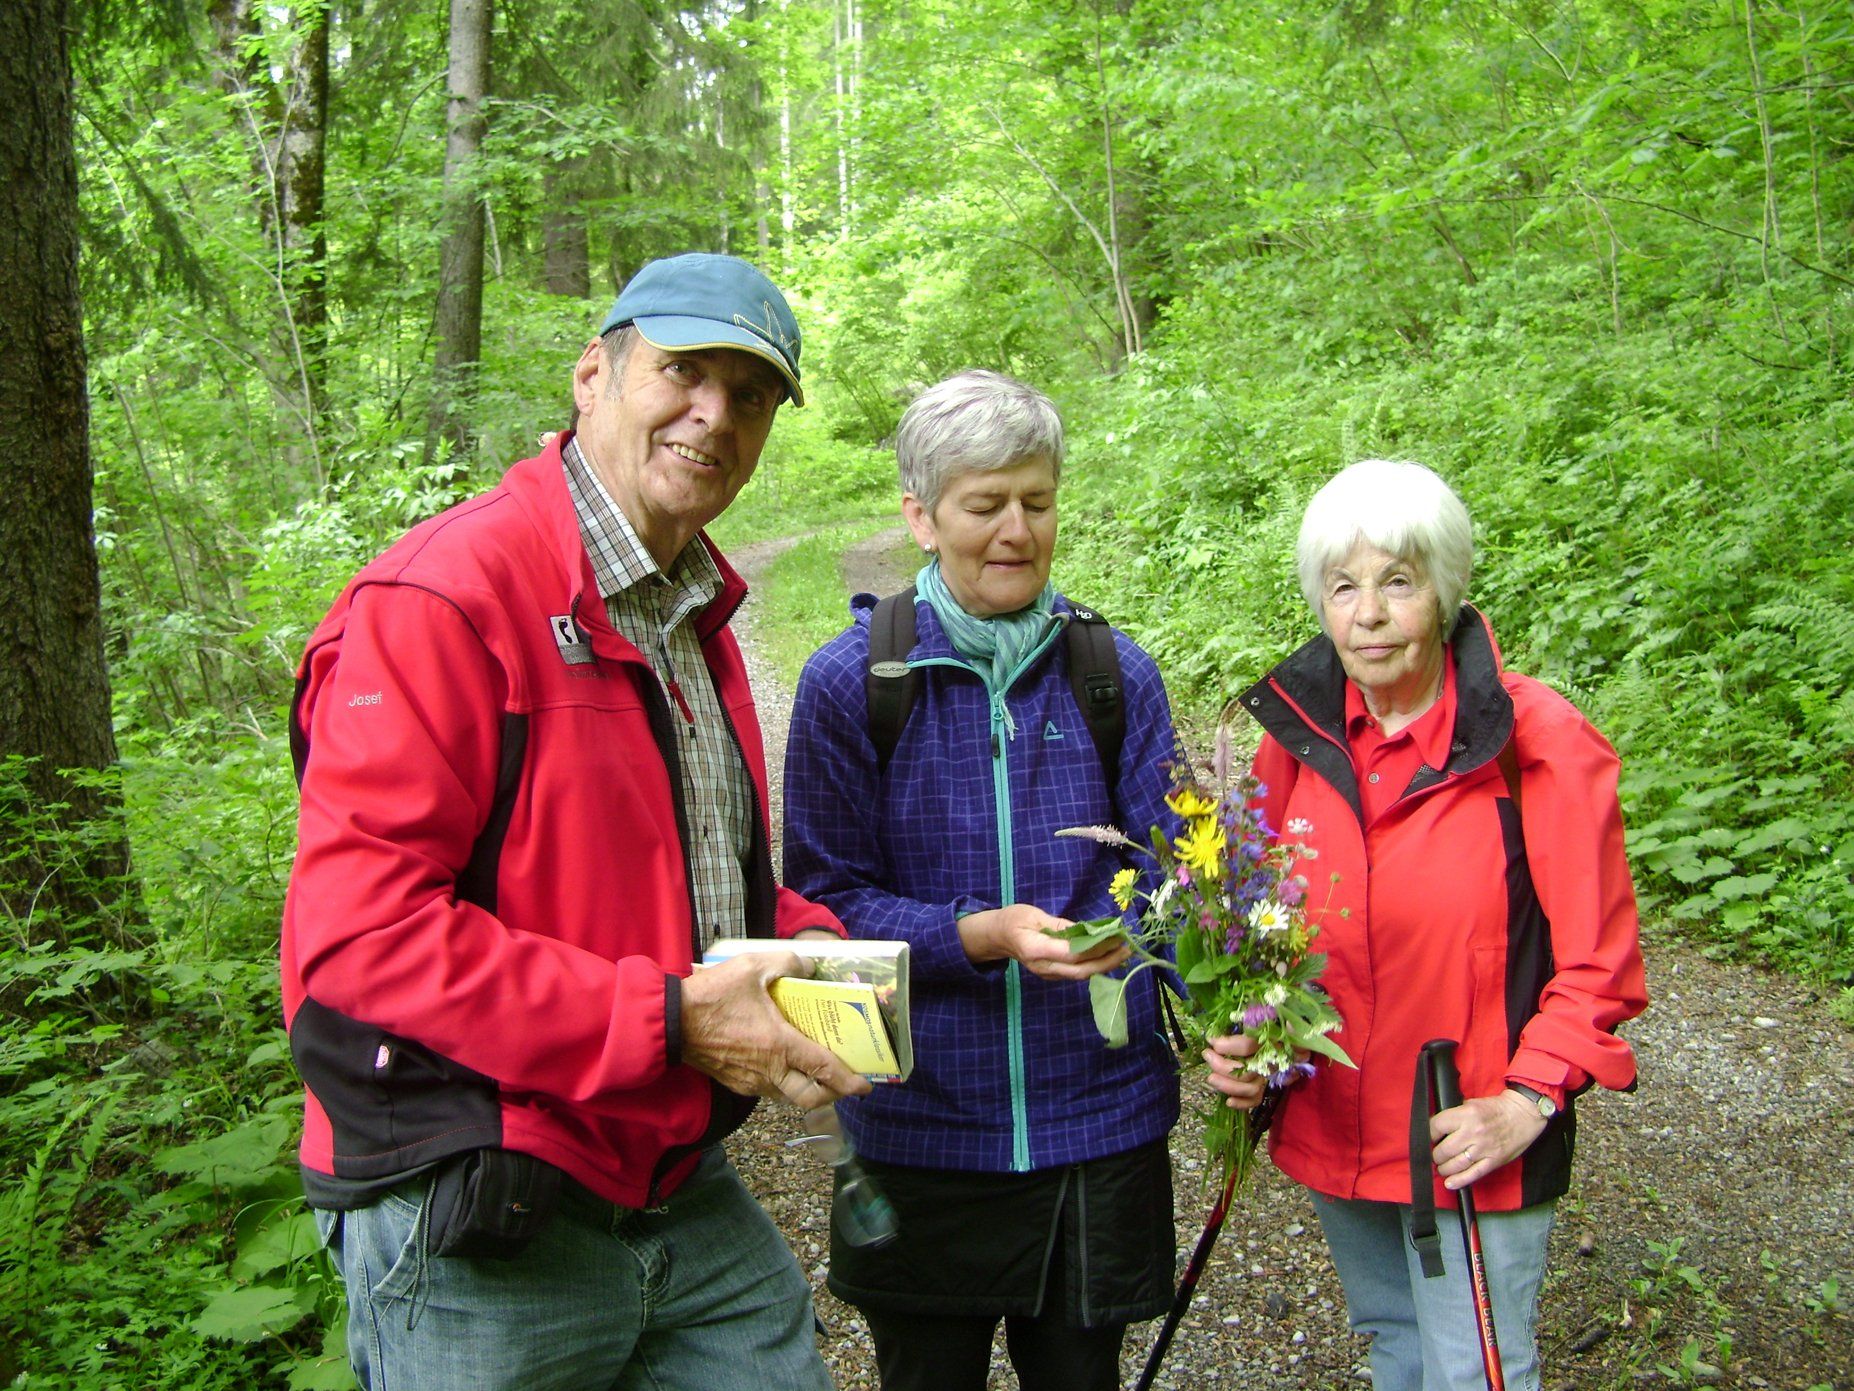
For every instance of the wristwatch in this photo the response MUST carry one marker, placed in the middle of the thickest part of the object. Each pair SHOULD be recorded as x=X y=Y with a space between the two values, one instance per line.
x=1547 y=1108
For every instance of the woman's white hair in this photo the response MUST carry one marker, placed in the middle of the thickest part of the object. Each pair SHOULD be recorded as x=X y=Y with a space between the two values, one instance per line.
x=975 y=420
x=1403 y=509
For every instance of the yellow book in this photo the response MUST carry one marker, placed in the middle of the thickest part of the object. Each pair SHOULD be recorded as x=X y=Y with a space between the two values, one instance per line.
x=855 y=1002
x=844 y=1016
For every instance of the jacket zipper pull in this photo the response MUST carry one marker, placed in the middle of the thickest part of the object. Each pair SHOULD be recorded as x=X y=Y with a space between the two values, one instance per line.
x=668 y=667
x=683 y=705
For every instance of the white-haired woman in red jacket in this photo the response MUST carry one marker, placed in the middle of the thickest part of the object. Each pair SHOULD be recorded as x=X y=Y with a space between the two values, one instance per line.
x=1470 y=816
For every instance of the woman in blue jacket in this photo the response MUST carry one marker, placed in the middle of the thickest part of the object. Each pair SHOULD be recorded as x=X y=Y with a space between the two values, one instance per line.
x=1026 y=1160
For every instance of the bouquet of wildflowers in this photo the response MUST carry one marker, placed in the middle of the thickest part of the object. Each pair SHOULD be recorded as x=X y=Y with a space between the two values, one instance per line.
x=1234 y=923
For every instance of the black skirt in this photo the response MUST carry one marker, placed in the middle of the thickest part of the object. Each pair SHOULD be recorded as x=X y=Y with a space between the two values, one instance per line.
x=1091 y=1240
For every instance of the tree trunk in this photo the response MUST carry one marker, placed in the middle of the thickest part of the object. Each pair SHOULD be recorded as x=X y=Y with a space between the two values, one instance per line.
x=1133 y=175
x=788 y=178
x=54 y=687
x=565 y=265
x=459 y=319
x=756 y=152
x=301 y=179
x=839 y=35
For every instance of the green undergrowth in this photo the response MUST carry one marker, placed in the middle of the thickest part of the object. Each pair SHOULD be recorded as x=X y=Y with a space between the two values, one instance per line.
x=1662 y=532
x=152 y=1232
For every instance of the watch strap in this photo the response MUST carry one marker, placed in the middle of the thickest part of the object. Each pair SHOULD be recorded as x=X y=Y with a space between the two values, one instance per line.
x=1546 y=1106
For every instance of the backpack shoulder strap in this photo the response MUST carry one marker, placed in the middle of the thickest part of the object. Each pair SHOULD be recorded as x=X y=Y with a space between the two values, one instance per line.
x=890 y=682
x=1094 y=677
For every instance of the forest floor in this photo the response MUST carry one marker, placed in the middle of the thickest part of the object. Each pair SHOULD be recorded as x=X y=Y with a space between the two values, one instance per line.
x=1708 y=1238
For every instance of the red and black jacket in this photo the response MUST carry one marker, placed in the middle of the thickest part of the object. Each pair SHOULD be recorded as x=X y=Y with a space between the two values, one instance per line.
x=1519 y=941
x=489 y=915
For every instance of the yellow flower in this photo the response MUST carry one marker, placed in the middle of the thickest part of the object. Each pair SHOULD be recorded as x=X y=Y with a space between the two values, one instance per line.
x=1122 y=887
x=1189 y=802
x=1201 y=847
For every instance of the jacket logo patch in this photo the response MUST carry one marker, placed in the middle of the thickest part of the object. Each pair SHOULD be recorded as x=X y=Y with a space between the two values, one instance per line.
x=574 y=649
x=363 y=698
x=1050 y=731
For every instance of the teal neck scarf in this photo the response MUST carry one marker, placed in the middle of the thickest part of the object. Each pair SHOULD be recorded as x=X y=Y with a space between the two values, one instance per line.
x=994 y=646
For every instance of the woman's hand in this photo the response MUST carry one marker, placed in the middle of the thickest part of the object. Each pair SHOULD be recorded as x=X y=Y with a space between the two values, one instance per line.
x=1481 y=1135
x=1020 y=933
x=1225 y=1055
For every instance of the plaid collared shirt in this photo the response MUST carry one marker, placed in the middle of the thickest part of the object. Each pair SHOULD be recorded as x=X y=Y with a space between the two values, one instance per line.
x=651 y=610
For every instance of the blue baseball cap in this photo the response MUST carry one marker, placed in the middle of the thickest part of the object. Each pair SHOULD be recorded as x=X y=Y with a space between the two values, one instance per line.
x=701 y=300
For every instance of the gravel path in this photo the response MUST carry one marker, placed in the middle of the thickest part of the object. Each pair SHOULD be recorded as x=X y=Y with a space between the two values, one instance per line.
x=1709 y=1225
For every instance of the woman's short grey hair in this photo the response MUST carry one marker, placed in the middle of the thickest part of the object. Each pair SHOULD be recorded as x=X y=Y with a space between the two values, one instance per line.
x=1403 y=509
x=973 y=421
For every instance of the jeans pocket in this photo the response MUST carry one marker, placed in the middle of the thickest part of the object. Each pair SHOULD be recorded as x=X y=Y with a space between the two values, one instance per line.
x=390 y=1237
x=327 y=1228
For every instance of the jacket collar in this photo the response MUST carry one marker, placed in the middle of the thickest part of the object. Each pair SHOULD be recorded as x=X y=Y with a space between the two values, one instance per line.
x=930 y=640
x=538 y=486
x=1302 y=704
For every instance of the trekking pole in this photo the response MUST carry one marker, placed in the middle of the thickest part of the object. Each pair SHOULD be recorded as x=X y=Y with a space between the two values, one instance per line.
x=1187 y=1283
x=1438 y=1057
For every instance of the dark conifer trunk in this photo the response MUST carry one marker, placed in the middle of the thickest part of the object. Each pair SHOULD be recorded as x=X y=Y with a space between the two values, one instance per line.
x=54 y=688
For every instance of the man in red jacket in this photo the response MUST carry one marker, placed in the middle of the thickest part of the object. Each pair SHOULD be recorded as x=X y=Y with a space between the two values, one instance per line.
x=533 y=790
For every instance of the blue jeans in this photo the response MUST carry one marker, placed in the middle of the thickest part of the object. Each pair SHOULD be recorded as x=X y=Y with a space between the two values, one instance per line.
x=702 y=1293
x=1423 y=1332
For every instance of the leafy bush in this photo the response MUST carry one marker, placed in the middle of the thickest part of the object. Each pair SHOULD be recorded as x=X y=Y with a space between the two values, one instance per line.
x=1663 y=535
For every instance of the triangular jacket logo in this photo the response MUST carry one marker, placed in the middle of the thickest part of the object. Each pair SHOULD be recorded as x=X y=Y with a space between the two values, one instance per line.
x=1050 y=731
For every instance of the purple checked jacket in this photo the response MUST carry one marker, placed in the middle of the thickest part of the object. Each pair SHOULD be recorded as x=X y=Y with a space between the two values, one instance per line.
x=1010 y=1073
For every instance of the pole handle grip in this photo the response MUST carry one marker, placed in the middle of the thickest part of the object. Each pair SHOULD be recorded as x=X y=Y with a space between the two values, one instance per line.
x=1438 y=1056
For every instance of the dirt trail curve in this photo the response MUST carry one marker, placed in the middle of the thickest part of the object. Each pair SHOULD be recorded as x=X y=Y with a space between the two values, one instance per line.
x=1717 y=1199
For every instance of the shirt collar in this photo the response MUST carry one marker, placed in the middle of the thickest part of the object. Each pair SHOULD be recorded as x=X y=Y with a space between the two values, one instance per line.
x=619 y=557
x=1430 y=731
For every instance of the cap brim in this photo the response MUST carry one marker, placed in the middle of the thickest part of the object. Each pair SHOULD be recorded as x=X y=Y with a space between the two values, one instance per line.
x=682 y=333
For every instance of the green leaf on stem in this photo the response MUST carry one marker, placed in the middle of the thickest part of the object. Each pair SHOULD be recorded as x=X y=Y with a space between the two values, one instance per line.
x=1320 y=1043
x=1084 y=937
x=1210 y=968
x=1108 y=995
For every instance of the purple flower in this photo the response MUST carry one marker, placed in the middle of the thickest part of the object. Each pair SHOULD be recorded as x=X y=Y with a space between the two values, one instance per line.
x=1233 y=942
x=1184 y=877
x=1289 y=1075
x=1251 y=890
x=1292 y=891
x=1254 y=1016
